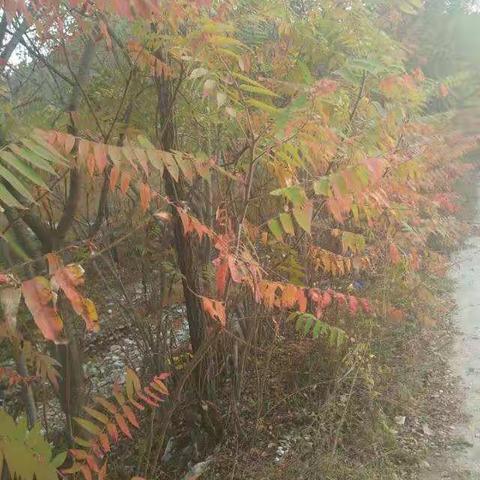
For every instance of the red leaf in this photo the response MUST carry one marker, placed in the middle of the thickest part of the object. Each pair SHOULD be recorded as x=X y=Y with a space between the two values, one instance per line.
x=394 y=254
x=39 y=299
x=234 y=271
x=326 y=299
x=443 y=90
x=222 y=277
x=324 y=87
x=340 y=298
x=418 y=75
x=353 y=304
x=148 y=400
x=365 y=305
x=376 y=166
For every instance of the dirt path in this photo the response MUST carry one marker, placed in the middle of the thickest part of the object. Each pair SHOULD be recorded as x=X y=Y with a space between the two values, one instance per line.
x=463 y=460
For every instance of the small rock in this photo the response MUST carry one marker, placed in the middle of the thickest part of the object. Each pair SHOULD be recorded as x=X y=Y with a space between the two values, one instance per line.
x=424 y=464
x=400 y=420
x=427 y=430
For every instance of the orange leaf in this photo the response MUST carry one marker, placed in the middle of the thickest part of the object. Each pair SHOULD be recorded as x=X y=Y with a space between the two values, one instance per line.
x=114 y=175
x=130 y=416
x=215 y=309
x=162 y=387
x=91 y=164
x=145 y=196
x=39 y=299
x=68 y=278
x=86 y=472
x=443 y=90
x=78 y=454
x=104 y=442
x=68 y=143
x=234 y=271
x=123 y=425
x=112 y=431
x=222 y=277
x=103 y=471
x=142 y=159
x=148 y=400
x=302 y=300
x=289 y=296
x=106 y=404
x=124 y=182
x=150 y=393
x=100 y=153
x=92 y=463
x=83 y=150
x=54 y=263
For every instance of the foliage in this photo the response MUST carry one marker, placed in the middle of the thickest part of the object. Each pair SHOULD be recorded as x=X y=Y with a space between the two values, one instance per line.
x=26 y=453
x=104 y=426
x=299 y=156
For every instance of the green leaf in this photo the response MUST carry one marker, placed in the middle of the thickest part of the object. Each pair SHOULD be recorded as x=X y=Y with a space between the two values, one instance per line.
x=58 y=460
x=309 y=319
x=145 y=142
x=13 y=243
x=295 y=194
x=171 y=165
x=23 y=168
x=42 y=148
x=257 y=90
x=102 y=418
x=247 y=79
x=32 y=158
x=322 y=186
x=287 y=224
x=275 y=228
x=197 y=73
x=303 y=216
x=88 y=425
x=8 y=199
x=82 y=442
x=263 y=106
x=15 y=183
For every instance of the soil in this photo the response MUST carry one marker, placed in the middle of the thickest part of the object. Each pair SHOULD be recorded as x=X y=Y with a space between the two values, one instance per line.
x=459 y=457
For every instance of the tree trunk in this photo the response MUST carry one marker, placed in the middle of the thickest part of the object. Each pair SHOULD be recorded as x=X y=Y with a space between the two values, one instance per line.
x=188 y=257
